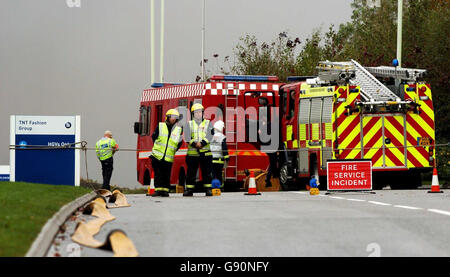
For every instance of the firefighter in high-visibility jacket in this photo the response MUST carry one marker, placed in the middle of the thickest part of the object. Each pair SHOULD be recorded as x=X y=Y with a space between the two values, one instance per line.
x=105 y=149
x=167 y=139
x=199 y=152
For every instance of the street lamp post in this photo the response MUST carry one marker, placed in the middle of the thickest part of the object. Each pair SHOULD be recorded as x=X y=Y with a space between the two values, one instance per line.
x=203 y=40
x=399 y=31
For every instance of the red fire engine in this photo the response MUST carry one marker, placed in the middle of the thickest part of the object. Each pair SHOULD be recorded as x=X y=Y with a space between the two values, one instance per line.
x=233 y=99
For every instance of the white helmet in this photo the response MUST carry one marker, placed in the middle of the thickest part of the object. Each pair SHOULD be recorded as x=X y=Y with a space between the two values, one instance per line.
x=219 y=125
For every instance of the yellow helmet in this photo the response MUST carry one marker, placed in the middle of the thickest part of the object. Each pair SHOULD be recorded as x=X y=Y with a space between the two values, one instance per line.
x=172 y=112
x=197 y=106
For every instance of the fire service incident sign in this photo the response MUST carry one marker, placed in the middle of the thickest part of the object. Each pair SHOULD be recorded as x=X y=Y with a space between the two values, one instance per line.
x=349 y=175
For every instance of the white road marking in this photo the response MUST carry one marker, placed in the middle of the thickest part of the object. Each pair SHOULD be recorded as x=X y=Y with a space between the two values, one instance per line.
x=408 y=207
x=439 y=211
x=356 y=200
x=380 y=203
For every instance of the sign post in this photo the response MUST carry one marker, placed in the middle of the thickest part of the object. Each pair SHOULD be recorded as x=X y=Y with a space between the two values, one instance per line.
x=44 y=149
x=349 y=175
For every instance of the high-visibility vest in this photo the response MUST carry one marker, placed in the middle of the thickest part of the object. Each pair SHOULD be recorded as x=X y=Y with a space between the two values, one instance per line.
x=104 y=148
x=165 y=146
x=216 y=145
x=198 y=133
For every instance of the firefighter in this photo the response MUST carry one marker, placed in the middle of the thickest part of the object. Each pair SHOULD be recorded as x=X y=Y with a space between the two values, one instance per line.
x=219 y=150
x=105 y=149
x=167 y=139
x=199 y=152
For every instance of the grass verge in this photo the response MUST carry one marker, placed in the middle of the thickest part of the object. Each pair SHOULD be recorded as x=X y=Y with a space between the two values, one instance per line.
x=25 y=208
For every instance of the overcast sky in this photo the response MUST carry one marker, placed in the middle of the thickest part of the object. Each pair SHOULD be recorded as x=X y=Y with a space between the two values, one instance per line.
x=94 y=60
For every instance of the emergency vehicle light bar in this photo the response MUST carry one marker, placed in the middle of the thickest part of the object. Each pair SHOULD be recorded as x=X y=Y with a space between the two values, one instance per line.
x=257 y=78
x=161 y=85
x=299 y=78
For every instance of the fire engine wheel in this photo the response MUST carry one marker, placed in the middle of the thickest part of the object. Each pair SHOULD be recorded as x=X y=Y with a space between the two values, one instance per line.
x=285 y=178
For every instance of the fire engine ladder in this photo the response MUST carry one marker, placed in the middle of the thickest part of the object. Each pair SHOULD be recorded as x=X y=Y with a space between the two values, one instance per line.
x=372 y=90
x=409 y=74
x=231 y=101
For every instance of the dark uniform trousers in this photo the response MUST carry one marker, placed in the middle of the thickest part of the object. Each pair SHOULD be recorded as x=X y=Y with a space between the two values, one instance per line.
x=162 y=171
x=273 y=168
x=107 y=169
x=205 y=163
x=217 y=169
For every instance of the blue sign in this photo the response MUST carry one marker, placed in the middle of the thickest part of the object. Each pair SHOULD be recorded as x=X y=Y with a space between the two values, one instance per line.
x=41 y=155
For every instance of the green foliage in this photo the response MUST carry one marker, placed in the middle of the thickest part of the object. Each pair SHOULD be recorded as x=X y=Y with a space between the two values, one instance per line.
x=274 y=58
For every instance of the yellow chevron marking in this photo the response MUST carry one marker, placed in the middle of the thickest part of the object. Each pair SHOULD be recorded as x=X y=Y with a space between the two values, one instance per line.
x=424 y=107
x=410 y=129
x=399 y=136
x=388 y=162
x=340 y=110
x=369 y=153
x=414 y=152
x=429 y=129
x=375 y=128
x=355 y=154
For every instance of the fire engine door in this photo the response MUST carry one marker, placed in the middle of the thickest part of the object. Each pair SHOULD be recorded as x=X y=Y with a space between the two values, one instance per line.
x=384 y=140
x=290 y=119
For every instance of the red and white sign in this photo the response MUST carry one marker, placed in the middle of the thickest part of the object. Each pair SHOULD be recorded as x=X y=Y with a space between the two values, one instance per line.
x=349 y=175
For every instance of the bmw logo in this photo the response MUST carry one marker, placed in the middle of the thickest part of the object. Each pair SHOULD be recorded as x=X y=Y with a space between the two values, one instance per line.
x=68 y=125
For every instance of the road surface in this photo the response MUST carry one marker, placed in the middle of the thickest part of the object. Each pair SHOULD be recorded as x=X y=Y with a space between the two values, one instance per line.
x=281 y=224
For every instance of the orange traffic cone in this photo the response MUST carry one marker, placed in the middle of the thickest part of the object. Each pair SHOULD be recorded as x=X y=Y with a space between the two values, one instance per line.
x=252 y=185
x=151 y=188
x=435 y=183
